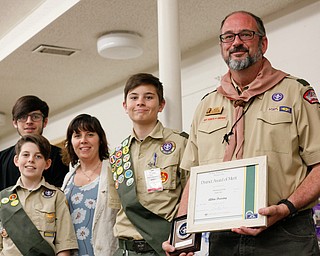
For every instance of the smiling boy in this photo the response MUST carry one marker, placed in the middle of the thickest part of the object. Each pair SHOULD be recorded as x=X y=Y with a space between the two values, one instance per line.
x=34 y=216
x=146 y=179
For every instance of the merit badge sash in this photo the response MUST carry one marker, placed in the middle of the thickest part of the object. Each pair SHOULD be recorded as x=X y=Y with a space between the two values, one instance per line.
x=153 y=228
x=18 y=226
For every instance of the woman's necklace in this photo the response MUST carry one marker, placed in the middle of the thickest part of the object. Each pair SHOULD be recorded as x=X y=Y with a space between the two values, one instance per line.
x=93 y=171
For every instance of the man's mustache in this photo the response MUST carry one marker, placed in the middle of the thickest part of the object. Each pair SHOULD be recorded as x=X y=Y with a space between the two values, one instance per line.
x=238 y=49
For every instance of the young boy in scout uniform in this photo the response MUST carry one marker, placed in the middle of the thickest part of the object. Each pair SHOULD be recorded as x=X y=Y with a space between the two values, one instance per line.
x=34 y=216
x=146 y=181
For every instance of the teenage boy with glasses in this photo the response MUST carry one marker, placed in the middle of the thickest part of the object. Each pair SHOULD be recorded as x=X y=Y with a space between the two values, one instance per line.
x=30 y=116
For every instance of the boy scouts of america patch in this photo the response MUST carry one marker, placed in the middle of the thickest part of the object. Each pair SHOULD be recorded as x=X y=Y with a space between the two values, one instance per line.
x=310 y=96
x=168 y=147
x=47 y=193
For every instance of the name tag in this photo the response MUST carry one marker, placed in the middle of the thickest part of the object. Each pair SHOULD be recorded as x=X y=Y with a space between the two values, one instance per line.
x=153 y=180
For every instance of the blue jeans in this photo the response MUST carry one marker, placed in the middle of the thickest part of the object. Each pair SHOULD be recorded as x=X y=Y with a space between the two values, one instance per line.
x=291 y=237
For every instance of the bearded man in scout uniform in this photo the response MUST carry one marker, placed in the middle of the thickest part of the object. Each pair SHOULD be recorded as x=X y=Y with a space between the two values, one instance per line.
x=146 y=180
x=259 y=110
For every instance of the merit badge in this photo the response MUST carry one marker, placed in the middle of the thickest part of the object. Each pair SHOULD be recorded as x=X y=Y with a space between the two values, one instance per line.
x=118 y=154
x=128 y=174
x=164 y=176
x=116 y=184
x=118 y=162
x=125 y=143
x=13 y=197
x=119 y=170
x=277 y=96
x=126 y=158
x=121 y=178
x=118 y=147
x=168 y=147
x=47 y=193
x=214 y=111
x=115 y=176
x=127 y=165
x=14 y=203
x=125 y=150
x=112 y=159
x=129 y=182
x=5 y=200
x=4 y=233
x=310 y=96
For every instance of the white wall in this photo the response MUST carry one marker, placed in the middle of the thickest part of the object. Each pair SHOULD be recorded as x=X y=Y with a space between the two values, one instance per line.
x=294 y=41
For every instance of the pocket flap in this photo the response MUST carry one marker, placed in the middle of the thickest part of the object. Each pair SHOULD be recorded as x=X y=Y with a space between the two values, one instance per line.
x=274 y=117
x=212 y=126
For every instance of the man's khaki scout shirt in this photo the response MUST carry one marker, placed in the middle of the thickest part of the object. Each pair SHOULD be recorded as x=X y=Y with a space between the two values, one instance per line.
x=282 y=123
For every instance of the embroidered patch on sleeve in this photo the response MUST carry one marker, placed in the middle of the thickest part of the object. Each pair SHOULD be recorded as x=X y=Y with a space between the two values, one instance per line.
x=310 y=96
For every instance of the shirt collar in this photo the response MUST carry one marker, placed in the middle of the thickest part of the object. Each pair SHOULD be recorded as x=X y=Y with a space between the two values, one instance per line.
x=156 y=133
x=238 y=88
x=43 y=183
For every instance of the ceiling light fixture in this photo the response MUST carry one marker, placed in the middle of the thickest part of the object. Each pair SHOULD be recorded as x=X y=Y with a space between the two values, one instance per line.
x=120 y=45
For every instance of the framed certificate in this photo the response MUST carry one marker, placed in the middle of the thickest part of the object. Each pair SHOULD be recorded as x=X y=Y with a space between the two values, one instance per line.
x=227 y=195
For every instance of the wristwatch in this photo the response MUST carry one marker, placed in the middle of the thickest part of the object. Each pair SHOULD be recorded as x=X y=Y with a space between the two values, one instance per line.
x=293 y=210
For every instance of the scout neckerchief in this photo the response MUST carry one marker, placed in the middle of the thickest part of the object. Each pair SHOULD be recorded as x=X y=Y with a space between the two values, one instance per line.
x=267 y=78
x=20 y=228
x=152 y=227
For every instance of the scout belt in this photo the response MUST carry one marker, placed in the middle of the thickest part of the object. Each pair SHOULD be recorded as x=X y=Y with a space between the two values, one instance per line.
x=138 y=246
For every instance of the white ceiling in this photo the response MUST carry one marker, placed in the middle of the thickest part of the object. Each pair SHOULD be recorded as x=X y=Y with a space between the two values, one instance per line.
x=67 y=81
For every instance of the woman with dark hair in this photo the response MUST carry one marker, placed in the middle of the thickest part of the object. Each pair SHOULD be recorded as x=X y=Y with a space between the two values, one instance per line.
x=86 y=187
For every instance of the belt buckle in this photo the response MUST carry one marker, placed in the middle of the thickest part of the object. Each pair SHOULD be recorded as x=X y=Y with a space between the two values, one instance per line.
x=139 y=245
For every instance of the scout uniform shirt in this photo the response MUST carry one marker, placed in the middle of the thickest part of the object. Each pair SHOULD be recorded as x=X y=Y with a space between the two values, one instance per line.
x=163 y=148
x=281 y=123
x=47 y=208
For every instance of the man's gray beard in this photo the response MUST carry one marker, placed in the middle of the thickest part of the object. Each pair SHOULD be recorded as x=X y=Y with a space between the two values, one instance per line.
x=247 y=62
x=243 y=64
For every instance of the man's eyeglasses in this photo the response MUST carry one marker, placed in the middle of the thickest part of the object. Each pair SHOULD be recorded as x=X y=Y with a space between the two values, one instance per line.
x=244 y=35
x=35 y=117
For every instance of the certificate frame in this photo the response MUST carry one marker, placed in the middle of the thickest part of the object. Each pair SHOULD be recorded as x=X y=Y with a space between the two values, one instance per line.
x=227 y=195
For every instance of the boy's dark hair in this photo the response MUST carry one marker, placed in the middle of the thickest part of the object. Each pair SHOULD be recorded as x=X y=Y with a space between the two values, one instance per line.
x=143 y=78
x=27 y=104
x=42 y=143
x=85 y=122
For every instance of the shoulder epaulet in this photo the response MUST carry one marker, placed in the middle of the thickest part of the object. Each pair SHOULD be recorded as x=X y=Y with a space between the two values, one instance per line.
x=208 y=94
x=299 y=80
x=303 y=82
x=184 y=134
